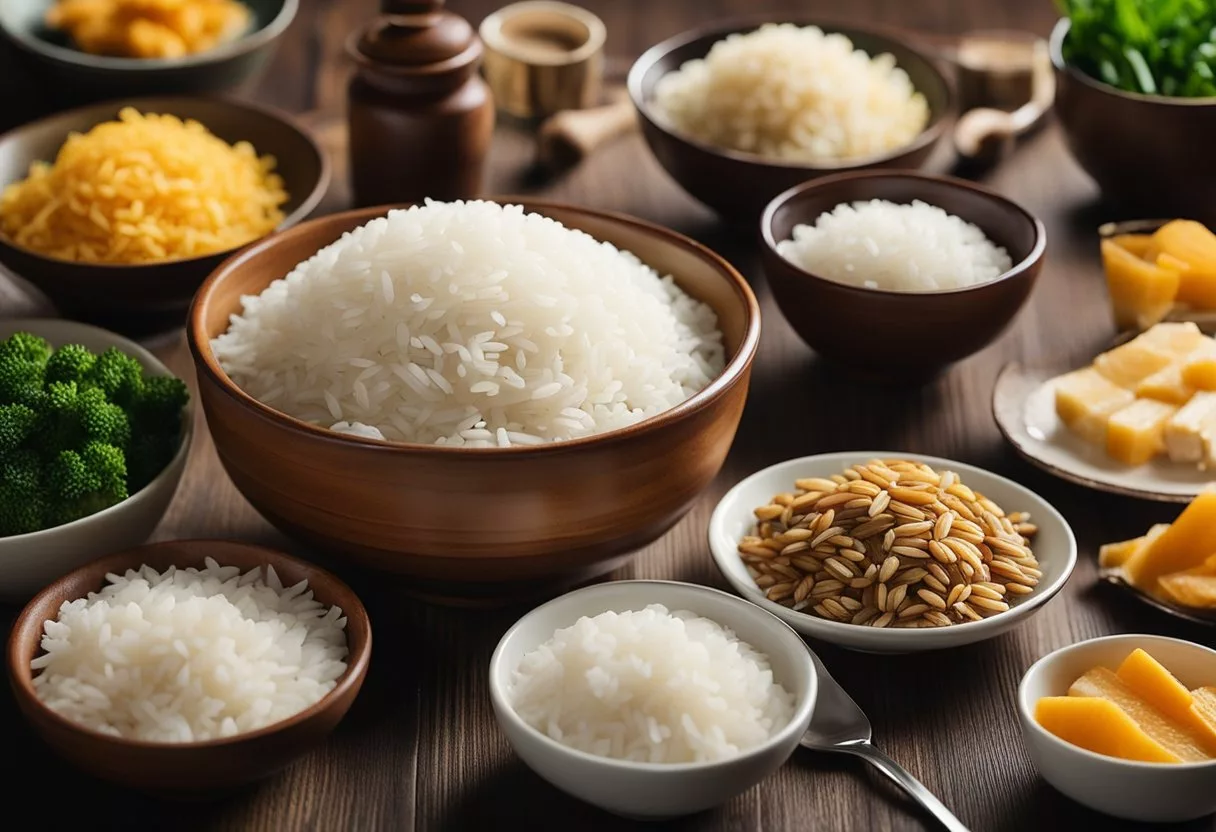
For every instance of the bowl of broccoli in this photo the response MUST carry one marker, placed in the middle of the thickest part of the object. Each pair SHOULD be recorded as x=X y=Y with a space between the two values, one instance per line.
x=94 y=433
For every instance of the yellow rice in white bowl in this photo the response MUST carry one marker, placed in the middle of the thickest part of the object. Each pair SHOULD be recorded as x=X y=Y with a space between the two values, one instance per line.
x=793 y=93
x=144 y=188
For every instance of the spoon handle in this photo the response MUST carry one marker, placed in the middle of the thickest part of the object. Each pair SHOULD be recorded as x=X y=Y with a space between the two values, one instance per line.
x=908 y=783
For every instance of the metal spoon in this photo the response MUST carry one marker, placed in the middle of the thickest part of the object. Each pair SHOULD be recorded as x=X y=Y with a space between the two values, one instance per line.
x=838 y=725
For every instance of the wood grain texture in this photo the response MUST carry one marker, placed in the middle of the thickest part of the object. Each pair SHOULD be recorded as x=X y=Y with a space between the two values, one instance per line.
x=420 y=750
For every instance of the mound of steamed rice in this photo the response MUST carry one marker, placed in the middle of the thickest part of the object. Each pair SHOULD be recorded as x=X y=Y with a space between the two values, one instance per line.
x=912 y=247
x=189 y=654
x=650 y=686
x=145 y=188
x=471 y=324
x=793 y=93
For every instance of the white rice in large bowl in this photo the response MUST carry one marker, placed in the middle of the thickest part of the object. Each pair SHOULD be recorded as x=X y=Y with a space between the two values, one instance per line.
x=793 y=93
x=471 y=324
x=651 y=686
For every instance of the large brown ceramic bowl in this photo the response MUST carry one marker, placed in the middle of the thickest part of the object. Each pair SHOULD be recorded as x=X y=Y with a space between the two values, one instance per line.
x=900 y=335
x=145 y=298
x=737 y=184
x=185 y=769
x=478 y=524
x=1149 y=153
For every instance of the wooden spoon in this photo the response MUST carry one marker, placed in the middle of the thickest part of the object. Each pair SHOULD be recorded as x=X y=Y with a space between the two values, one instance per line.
x=566 y=137
x=983 y=133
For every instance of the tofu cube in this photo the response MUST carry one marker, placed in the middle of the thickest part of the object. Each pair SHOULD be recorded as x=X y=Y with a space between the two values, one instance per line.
x=1085 y=399
x=1166 y=385
x=1188 y=434
x=1134 y=435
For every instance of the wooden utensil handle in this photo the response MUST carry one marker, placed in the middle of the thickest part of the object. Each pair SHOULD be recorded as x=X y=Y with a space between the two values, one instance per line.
x=570 y=135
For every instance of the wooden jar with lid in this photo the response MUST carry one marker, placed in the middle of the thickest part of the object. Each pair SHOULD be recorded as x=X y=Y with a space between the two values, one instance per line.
x=419 y=116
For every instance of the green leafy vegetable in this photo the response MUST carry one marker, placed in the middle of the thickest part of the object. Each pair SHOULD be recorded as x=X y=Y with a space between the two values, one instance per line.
x=78 y=432
x=1155 y=47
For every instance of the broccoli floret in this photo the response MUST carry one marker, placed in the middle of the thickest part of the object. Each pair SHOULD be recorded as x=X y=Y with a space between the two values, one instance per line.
x=160 y=402
x=100 y=420
x=27 y=347
x=80 y=484
x=17 y=424
x=156 y=424
x=78 y=432
x=23 y=360
x=59 y=427
x=20 y=380
x=71 y=362
x=118 y=375
x=23 y=504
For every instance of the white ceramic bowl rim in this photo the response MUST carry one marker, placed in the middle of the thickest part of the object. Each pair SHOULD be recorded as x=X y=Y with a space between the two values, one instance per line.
x=805 y=705
x=895 y=637
x=1056 y=655
x=149 y=361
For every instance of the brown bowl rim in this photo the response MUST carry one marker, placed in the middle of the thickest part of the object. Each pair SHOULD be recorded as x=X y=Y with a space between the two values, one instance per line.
x=1023 y=265
x=206 y=363
x=307 y=205
x=1056 y=47
x=356 y=665
x=931 y=133
x=235 y=48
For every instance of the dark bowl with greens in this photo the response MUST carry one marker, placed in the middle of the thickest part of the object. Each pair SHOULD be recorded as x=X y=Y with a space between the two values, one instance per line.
x=1137 y=103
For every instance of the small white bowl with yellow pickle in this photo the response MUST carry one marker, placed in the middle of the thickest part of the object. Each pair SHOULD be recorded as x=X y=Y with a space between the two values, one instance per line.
x=1126 y=725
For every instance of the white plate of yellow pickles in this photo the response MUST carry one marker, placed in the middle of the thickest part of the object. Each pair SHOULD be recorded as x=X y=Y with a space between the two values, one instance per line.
x=1138 y=419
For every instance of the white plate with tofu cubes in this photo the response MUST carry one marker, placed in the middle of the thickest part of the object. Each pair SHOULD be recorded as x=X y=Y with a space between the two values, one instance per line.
x=1025 y=407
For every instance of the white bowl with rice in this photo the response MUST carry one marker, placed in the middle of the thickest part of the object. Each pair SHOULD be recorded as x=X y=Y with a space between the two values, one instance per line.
x=728 y=691
x=738 y=516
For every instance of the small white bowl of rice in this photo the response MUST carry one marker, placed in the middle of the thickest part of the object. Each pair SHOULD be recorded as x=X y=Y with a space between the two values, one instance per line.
x=652 y=699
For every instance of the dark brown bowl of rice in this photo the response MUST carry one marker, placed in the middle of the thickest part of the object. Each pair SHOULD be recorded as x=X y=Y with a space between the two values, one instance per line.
x=490 y=400
x=112 y=671
x=899 y=274
x=738 y=111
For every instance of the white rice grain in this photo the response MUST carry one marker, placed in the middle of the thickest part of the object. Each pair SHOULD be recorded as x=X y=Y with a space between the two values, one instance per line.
x=650 y=686
x=189 y=654
x=913 y=247
x=460 y=303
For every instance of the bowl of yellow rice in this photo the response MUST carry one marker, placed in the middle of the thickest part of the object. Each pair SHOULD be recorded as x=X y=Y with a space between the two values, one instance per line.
x=119 y=211
x=100 y=49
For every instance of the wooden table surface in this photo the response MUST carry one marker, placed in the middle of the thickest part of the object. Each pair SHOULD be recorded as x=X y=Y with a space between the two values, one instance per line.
x=420 y=749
